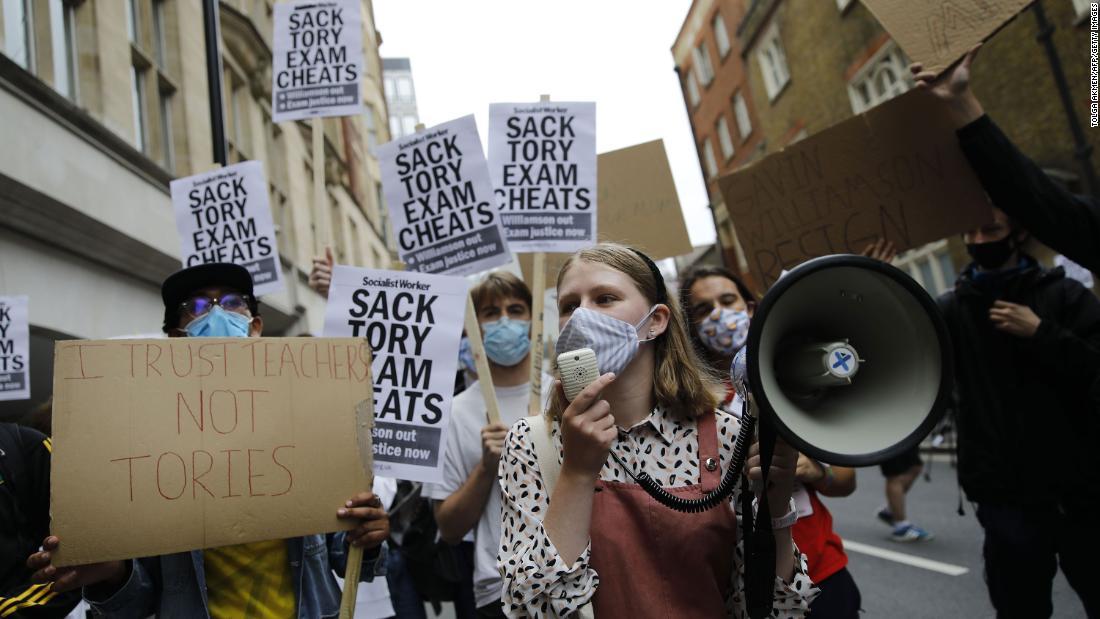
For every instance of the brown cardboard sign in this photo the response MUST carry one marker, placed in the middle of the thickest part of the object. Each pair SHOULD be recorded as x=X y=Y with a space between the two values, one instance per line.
x=638 y=206
x=163 y=446
x=936 y=33
x=894 y=172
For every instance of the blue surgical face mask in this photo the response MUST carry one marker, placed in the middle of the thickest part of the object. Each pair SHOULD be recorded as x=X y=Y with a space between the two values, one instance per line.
x=466 y=356
x=507 y=341
x=724 y=331
x=219 y=323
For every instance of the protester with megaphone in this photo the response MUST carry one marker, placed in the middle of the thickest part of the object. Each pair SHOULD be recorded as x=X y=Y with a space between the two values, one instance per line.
x=576 y=530
x=719 y=306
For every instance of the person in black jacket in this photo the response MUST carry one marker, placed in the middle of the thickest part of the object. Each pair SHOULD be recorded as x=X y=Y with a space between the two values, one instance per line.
x=24 y=520
x=1027 y=352
x=1068 y=223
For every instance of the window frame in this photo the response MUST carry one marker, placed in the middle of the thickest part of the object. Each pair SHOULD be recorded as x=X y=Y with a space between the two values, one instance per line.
x=773 y=61
x=725 y=139
x=739 y=107
x=718 y=24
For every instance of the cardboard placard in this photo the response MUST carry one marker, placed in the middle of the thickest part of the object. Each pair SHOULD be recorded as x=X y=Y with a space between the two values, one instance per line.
x=163 y=446
x=15 y=349
x=639 y=206
x=412 y=323
x=224 y=216
x=936 y=33
x=317 y=61
x=894 y=172
x=542 y=160
x=441 y=202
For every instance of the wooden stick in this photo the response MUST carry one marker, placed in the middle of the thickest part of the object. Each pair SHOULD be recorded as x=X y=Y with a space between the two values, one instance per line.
x=538 y=295
x=477 y=349
x=364 y=422
x=320 y=196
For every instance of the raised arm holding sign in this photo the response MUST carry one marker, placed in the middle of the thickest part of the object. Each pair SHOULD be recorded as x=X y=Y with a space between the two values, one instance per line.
x=167 y=446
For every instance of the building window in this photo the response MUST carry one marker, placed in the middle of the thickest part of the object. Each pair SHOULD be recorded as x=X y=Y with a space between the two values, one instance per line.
x=721 y=37
x=773 y=62
x=133 y=20
x=51 y=54
x=137 y=99
x=708 y=157
x=152 y=88
x=1082 y=7
x=372 y=128
x=741 y=112
x=692 y=89
x=724 y=139
x=404 y=89
x=703 y=68
x=843 y=4
x=395 y=127
x=408 y=125
x=882 y=78
x=930 y=265
x=387 y=86
x=17 y=32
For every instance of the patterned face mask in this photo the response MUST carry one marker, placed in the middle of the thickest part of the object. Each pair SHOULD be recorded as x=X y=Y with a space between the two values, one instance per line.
x=724 y=331
x=614 y=341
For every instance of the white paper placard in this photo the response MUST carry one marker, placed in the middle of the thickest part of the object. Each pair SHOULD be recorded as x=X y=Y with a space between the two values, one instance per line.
x=542 y=161
x=224 y=216
x=412 y=322
x=15 y=349
x=317 y=63
x=441 y=202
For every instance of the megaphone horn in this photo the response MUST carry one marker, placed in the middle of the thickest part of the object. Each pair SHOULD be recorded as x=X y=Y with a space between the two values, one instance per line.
x=849 y=359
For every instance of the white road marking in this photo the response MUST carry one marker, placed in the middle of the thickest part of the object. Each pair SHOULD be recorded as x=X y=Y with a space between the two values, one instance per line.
x=901 y=557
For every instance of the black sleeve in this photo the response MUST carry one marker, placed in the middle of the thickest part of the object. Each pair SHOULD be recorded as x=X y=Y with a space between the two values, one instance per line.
x=1069 y=344
x=37 y=448
x=1069 y=224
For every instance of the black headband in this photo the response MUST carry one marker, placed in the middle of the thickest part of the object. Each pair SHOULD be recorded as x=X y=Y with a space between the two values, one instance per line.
x=662 y=290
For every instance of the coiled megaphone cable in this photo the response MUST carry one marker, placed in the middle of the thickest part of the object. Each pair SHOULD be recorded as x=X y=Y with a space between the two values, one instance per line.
x=714 y=497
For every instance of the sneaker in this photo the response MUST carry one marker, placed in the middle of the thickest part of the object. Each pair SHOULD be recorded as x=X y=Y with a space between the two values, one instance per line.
x=885 y=516
x=911 y=533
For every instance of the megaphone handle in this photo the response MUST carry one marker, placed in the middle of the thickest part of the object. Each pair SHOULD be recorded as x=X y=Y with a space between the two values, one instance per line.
x=760 y=543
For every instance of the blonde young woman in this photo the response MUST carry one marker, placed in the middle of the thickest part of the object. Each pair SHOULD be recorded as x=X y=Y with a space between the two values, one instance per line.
x=598 y=537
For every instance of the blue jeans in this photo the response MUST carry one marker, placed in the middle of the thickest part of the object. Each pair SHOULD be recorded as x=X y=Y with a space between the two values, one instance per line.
x=406 y=601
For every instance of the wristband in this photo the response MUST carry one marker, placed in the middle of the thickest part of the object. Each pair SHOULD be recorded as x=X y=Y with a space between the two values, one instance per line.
x=785 y=521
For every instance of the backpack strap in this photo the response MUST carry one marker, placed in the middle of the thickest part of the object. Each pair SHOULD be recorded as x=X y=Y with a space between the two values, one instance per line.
x=550 y=469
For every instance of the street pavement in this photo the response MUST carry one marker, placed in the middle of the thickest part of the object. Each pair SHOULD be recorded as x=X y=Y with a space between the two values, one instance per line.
x=898 y=590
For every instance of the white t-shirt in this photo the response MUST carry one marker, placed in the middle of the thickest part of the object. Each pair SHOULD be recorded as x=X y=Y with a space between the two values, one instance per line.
x=462 y=454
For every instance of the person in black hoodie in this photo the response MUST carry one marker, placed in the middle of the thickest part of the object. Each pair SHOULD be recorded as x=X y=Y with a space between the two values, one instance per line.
x=1027 y=352
x=1065 y=222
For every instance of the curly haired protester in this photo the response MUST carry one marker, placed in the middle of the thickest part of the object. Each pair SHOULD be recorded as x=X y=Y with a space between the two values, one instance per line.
x=592 y=536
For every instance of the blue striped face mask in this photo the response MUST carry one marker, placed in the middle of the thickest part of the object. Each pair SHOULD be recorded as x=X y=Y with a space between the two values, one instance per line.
x=614 y=341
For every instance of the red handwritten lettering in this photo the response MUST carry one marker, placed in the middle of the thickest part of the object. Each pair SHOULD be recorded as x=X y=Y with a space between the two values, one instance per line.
x=196 y=479
x=289 y=474
x=130 y=466
x=183 y=476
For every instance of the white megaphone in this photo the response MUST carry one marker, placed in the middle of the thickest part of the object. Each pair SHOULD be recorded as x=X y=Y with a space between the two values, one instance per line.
x=849 y=359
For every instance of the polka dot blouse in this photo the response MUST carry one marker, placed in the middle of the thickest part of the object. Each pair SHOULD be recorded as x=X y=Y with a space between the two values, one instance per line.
x=538 y=583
